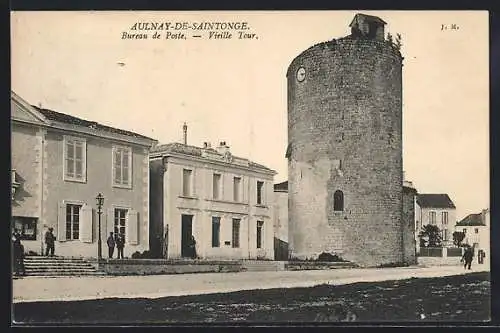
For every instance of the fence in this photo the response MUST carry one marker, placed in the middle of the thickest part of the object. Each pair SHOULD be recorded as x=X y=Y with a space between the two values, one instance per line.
x=431 y=252
x=455 y=252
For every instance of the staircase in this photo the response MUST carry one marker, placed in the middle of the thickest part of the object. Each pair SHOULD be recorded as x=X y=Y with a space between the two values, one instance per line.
x=58 y=266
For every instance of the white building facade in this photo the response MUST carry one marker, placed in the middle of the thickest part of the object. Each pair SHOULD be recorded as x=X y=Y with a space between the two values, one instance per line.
x=438 y=210
x=477 y=231
x=224 y=201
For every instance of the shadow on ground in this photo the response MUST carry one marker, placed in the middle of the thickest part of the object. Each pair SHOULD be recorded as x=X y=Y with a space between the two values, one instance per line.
x=462 y=298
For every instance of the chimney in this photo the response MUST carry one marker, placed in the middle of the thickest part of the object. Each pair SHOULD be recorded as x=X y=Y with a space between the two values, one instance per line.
x=222 y=148
x=185 y=130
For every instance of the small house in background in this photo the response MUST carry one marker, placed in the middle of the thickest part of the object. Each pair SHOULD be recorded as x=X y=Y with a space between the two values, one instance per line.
x=438 y=210
x=367 y=26
x=60 y=163
x=224 y=201
x=477 y=231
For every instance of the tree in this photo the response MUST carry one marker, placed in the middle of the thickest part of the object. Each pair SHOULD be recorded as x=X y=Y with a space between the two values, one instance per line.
x=432 y=234
x=389 y=38
x=398 y=41
x=458 y=237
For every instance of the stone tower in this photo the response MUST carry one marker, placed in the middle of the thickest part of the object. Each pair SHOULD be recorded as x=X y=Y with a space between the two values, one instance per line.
x=345 y=148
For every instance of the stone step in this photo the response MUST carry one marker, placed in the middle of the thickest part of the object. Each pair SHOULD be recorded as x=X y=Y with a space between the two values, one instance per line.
x=52 y=259
x=52 y=274
x=31 y=263
x=58 y=266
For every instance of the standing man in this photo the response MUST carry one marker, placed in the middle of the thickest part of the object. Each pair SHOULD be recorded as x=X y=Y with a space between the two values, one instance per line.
x=120 y=244
x=50 y=242
x=111 y=245
x=16 y=244
x=467 y=257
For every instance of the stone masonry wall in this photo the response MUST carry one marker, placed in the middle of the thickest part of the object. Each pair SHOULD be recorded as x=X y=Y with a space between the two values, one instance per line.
x=345 y=133
x=409 y=225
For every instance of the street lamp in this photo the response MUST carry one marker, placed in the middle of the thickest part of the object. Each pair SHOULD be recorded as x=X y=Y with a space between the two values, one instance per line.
x=100 y=202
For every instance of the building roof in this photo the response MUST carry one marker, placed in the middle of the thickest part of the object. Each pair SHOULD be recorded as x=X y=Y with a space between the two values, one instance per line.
x=471 y=220
x=435 y=201
x=369 y=18
x=68 y=119
x=177 y=147
x=281 y=187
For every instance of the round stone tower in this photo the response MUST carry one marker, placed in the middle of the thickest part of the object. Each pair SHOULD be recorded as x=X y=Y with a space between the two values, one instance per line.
x=345 y=148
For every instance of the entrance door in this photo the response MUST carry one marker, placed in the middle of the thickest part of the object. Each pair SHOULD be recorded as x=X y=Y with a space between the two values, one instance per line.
x=187 y=232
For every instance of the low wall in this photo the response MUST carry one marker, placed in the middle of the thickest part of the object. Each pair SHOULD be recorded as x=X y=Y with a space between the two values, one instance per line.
x=316 y=265
x=159 y=266
x=439 y=261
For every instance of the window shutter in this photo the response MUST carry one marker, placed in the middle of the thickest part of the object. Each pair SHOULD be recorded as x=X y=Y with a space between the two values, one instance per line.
x=85 y=225
x=132 y=227
x=61 y=222
x=116 y=166
x=110 y=223
x=126 y=166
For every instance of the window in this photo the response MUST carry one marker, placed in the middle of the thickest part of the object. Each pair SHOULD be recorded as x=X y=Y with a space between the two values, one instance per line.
x=464 y=230
x=444 y=218
x=237 y=189
x=186 y=182
x=26 y=226
x=120 y=218
x=72 y=221
x=217 y=186
x=215 y=231
x=75 y=159
x=432 y=217
x=476 y=230
x=260 y=226
x=236 y=233
x=122 y=166
x=445 y=234
x=260 y=185
x=338 y=201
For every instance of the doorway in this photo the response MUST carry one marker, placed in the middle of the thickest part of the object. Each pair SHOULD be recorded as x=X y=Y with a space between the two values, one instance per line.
x=187 y=232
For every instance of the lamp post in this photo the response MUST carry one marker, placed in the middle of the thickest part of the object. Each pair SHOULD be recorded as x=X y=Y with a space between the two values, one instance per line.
x=100 y=202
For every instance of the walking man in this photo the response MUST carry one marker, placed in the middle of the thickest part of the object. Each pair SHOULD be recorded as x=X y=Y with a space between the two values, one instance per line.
x=120 y=244
x=467 y=257
x=50 y=242
x=111 y=245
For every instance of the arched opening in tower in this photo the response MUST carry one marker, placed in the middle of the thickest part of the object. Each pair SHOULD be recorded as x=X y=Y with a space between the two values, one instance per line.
x=338 y=201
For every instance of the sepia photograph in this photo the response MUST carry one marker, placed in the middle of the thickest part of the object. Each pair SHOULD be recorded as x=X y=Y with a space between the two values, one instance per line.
x=250 y=167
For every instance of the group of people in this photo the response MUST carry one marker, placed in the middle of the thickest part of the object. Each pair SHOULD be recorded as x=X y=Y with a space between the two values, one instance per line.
x=116 y=240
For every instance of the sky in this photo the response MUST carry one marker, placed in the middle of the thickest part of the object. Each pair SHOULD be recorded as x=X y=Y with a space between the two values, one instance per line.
x=234 y=90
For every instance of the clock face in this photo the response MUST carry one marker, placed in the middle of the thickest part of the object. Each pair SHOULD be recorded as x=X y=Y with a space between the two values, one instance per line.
x=301 y=74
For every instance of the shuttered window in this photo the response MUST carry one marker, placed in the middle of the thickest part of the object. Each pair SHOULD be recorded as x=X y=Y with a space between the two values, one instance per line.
x=73 y=221
x=260 y=199
x=236 y=233
x=75 y=159
x=215 y=231
x=217 y=186
x=122 y=166
x=187 y=178
x=260 y=227
x=120 y=219
x=237 y=189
